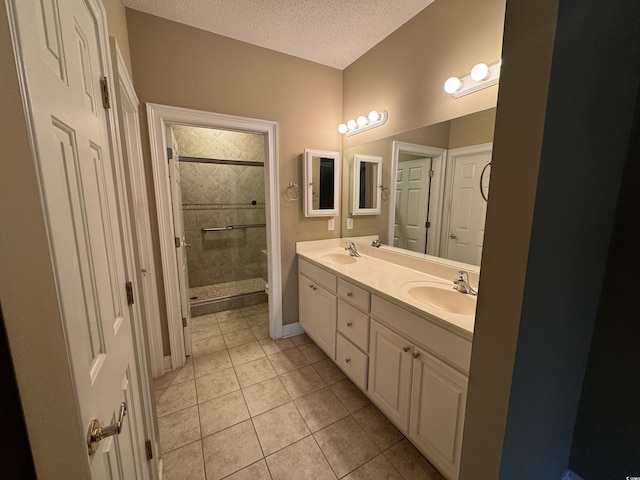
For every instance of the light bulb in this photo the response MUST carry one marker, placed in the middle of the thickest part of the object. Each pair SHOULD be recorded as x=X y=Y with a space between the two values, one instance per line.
x=352 y=124
x=374 y=116
x=342 y=128
x=452 y=85
x=362 y=121
x=479 y=72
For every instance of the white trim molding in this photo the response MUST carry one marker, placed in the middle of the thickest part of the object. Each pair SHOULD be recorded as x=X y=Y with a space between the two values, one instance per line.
x=162 y=116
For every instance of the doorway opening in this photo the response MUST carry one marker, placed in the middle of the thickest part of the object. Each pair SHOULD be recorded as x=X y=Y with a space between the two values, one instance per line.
x=235 y=220
x=223 y=209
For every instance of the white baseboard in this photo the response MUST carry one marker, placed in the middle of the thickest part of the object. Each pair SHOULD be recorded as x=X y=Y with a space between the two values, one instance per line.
x=291 y=329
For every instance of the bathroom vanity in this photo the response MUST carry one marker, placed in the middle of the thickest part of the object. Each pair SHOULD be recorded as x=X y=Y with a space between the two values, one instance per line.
x=395 y=325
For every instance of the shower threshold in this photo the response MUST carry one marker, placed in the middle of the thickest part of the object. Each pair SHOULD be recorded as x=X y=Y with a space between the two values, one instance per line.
x=224 y=291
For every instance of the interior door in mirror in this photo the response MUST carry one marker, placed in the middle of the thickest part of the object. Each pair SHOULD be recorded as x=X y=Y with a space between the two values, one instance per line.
x=321 y=183
x=365 y=185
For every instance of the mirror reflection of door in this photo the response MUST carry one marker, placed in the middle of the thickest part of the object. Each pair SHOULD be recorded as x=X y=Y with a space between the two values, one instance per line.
x=465 y=232
x=368 y=188
x=413 y=183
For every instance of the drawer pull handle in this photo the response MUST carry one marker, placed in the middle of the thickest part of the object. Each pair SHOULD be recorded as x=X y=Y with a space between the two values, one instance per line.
x=349 y=324
x=348 y=360
x=406 y=349
x=416 y=354
x=311 y=285
x=349 y=294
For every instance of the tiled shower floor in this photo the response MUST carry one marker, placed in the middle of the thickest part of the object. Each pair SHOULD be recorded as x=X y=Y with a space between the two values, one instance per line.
x=225 y=290
x=247 y=407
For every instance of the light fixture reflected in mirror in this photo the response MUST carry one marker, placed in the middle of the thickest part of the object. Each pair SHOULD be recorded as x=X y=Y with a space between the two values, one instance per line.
x=481 y=76
x=362 y=124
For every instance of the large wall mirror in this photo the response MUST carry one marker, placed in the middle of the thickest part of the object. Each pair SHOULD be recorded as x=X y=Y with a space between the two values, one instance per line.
x=435 y=206
x=321 y=183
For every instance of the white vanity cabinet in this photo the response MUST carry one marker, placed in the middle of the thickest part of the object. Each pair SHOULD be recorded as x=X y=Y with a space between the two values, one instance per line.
x=317 y=306
x=418 y=388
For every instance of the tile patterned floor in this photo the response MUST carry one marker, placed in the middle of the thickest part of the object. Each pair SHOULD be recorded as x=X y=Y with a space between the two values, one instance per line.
x=247 y=407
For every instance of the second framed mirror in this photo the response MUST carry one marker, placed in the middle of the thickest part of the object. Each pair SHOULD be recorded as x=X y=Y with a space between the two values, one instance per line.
x=365 y=185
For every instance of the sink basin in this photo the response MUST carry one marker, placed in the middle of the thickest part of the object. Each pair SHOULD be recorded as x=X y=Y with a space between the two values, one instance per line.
x=341 y=258
x=441 y=296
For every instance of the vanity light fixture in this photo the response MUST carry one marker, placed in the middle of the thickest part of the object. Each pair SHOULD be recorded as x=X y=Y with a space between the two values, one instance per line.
x=481 y=76
x=362 y=123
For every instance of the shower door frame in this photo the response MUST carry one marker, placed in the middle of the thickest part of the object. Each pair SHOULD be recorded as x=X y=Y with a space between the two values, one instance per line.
x=162 y=116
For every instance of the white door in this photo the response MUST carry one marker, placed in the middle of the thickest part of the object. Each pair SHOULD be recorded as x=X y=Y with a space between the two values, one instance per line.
x=180 y=239
x=467 y=208
x=412 y=204
x=63 y=53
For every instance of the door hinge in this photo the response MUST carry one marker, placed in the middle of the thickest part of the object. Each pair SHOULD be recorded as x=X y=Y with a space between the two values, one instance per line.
x=169 y=153
x=129 y=289
x=427 y=225
x=177 y=242
x=431 y=173
x=106 y=97
x=147 y=446
x=184 y=322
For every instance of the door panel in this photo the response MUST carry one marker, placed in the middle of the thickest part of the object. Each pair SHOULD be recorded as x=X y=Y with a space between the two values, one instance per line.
x=63 y=53
x=179 y=233
x=412 y=204
x=465 y=233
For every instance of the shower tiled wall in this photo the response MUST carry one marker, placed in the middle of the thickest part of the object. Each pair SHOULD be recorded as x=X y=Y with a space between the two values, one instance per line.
x=215 y=195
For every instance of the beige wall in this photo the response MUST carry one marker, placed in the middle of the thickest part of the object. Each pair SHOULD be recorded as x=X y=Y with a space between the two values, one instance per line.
x=117 y=26
x=182 y=66
x=404 y=73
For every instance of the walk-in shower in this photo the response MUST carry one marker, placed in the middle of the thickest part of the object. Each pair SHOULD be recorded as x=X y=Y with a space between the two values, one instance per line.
x=223 y=201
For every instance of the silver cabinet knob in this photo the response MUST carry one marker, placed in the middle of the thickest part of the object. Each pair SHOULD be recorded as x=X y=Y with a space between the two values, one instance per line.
x=452 y=235
x=97 y=433
x=349 y=294
x=416 y=354
x=349 y=324
x=406 y=349
x=348 y=360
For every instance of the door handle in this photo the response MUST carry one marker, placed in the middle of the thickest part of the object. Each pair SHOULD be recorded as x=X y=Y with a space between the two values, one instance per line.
x=97 y=433
x=452 y=235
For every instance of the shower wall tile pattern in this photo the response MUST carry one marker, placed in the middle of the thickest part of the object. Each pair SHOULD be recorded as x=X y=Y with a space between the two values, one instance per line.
x=221 y=144
x=216 y=195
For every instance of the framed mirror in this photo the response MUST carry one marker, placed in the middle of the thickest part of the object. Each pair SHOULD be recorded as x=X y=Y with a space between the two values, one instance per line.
x=321 y=183
x=365 y=187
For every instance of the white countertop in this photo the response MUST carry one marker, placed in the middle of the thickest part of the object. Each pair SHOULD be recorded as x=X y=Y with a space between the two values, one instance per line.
x=385 y=278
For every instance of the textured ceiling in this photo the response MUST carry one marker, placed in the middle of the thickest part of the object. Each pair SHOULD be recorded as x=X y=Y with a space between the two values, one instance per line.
x=331 y=32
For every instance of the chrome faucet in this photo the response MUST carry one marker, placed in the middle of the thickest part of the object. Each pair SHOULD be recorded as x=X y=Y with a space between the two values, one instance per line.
x=462 y=283
x=351 y=248
x=376 y=243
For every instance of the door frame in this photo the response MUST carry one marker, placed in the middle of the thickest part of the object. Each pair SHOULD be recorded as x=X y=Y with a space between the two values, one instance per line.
x=452 y=158
x=161 y=116
x=439 y=159
x=131 y=141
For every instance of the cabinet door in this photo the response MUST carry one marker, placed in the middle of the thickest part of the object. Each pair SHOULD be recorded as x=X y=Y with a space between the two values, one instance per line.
x=438 y=399
x=390 y=373
x=305 y=304
x=325 y=305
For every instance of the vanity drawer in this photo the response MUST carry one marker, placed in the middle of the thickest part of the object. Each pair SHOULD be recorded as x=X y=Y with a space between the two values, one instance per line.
x=354 y=325
x=318 y=275
x=352 y=361
x=354 y=295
